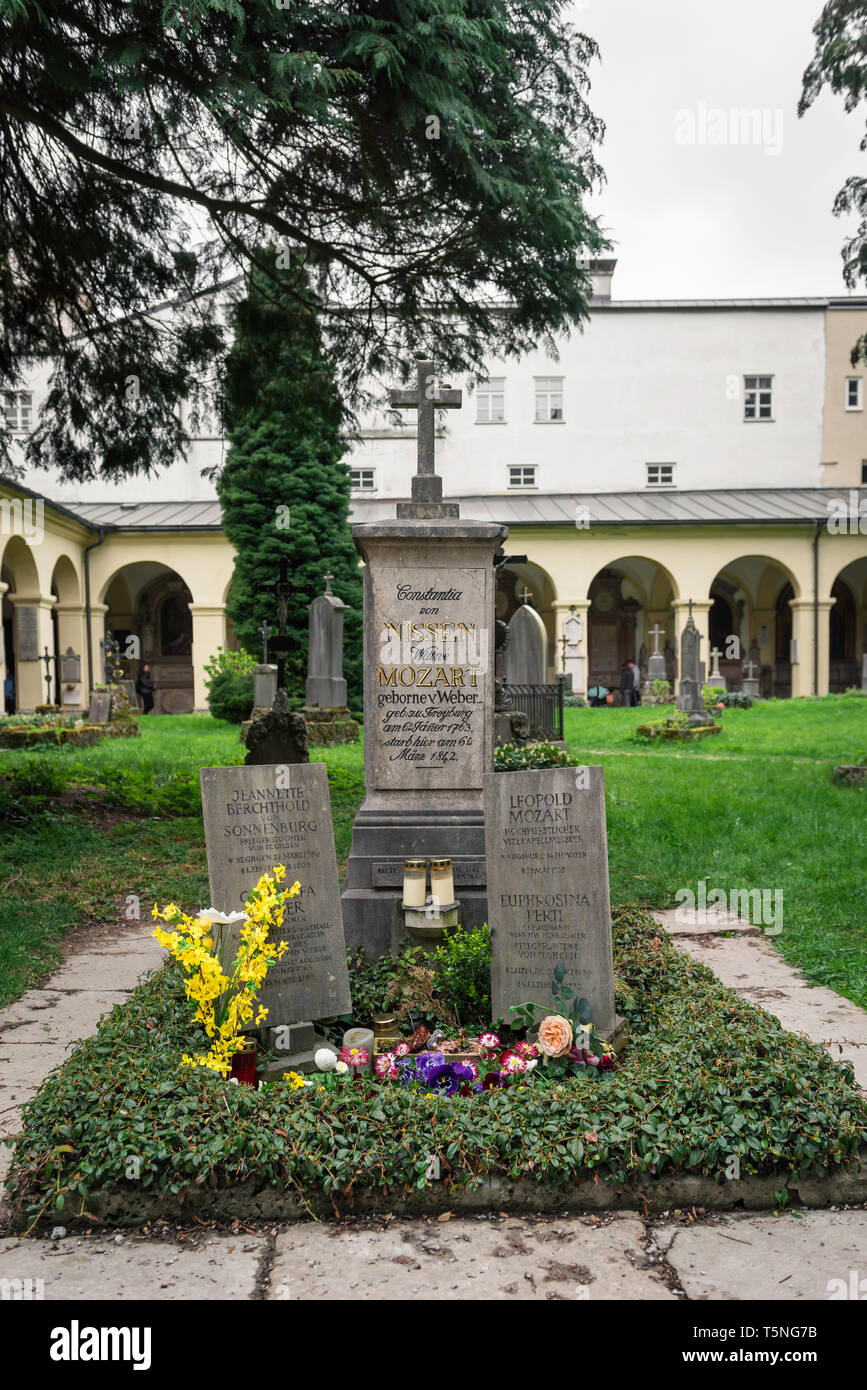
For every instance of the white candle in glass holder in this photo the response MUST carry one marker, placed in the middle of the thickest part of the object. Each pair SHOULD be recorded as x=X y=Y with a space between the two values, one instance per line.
x=414 y=882
x=442 y=882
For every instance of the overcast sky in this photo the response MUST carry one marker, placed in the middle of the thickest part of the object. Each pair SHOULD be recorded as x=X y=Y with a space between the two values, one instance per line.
x=701 y=219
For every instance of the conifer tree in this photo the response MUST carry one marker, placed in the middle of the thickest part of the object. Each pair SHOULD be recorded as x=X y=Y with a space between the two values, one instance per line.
x=284 y=489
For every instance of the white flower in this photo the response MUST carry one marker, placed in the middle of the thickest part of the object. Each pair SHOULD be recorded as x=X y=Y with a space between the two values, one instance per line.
x=341 y=1068
x=533 y=1062
x=325 y=1059
x=224 y=918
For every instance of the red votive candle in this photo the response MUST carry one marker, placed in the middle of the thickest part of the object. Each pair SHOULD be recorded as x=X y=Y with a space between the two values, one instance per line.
x=244 y=1067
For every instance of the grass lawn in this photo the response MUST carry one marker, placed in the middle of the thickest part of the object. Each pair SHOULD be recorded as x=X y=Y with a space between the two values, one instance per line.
x=756 y=809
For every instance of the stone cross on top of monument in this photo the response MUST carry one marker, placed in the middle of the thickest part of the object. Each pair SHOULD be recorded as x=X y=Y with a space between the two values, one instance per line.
x=427 y=397
x=656 y=633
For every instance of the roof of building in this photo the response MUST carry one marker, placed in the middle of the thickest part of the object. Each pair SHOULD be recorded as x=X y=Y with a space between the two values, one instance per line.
x=711 y=506
x=152 y=516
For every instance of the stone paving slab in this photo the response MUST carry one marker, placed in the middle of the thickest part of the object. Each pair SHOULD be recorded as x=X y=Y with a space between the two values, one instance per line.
x=114 y=965
x=692 y=925
x=781 y=1258
x=37 y=1030
x=566 y=1258
x=753 y=966
x=43 y=1015
x=218 y=1266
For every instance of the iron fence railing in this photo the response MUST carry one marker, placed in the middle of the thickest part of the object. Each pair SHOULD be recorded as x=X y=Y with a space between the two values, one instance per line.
x=543 y=706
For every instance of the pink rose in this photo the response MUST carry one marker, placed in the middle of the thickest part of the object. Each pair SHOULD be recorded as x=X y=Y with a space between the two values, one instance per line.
x=555 y=1035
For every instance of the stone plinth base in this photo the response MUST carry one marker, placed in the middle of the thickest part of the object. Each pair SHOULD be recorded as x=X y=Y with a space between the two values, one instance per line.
x=328 y=727
x=381 y=840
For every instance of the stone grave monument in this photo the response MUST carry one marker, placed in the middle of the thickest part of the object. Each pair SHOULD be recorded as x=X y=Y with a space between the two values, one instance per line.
x=689 y=699
x=716 y=676
x=277 y=736
x=257 y=817
x=100 y=707
x=428 y=693
x=328 y=720
x=548 y=895
x=657 y=668
x=751 y=684
x=525 y=659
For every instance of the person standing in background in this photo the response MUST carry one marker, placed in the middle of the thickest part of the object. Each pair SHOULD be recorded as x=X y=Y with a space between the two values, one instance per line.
x=145 y=688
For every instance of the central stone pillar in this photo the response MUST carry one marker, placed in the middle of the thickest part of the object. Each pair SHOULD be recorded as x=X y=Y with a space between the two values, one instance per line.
x=429 y=717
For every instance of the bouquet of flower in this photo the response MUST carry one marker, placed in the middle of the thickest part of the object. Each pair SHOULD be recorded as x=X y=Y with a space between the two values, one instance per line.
x=437 y=1074
x=568 y=1037
x=225 y=998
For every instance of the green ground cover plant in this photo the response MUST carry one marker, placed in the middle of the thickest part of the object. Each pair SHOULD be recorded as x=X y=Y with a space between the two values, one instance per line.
x=707 y=1078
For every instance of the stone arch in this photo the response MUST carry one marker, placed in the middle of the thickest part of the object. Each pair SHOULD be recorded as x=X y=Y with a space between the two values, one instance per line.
x=18 y=559
x=653 y=572
x=629 y=597
x=65 y=584
x=757 y=591
x=847 y=637
x=148 y=611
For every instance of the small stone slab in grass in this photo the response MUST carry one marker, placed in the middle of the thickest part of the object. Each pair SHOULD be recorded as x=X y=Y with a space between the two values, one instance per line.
x=668 y=917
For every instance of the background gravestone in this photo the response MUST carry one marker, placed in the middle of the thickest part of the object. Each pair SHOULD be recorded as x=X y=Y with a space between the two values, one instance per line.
x=277 y=736
x=27 y=632
x=548 y=895
x=255 y=818
x=325 y=683
x=100 y=707
x=70 y=667
x=325 y=711
x=525 y=660
x=689 y=699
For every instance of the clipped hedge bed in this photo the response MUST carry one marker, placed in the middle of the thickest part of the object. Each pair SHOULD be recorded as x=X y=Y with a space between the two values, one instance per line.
x=706 y=1078
x=28 y=736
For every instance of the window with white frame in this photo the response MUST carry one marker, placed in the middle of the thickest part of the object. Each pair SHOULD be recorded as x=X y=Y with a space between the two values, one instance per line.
x=758 y=398
x=660 y=474
x=491 y=401
x=854 y=393
x=362 y=479
x=522 y=475
x=549 y=398
x=18 y=409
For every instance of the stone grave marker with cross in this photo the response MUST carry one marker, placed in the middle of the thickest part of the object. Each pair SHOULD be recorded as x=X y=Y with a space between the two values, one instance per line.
x=428 y=692
x=751 y=683
x=427 y=397
x=716 y=677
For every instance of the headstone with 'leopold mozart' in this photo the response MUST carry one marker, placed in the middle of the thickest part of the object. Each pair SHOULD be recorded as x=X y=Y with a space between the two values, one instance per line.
x=260 y=816
x=548 y=896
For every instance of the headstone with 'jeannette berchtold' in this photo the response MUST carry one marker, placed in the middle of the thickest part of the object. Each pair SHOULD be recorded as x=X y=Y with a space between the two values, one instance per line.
x=548 y=895
x=257 y=817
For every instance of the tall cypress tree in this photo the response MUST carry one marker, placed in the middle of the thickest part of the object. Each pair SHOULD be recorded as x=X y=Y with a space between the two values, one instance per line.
x=284 y=489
